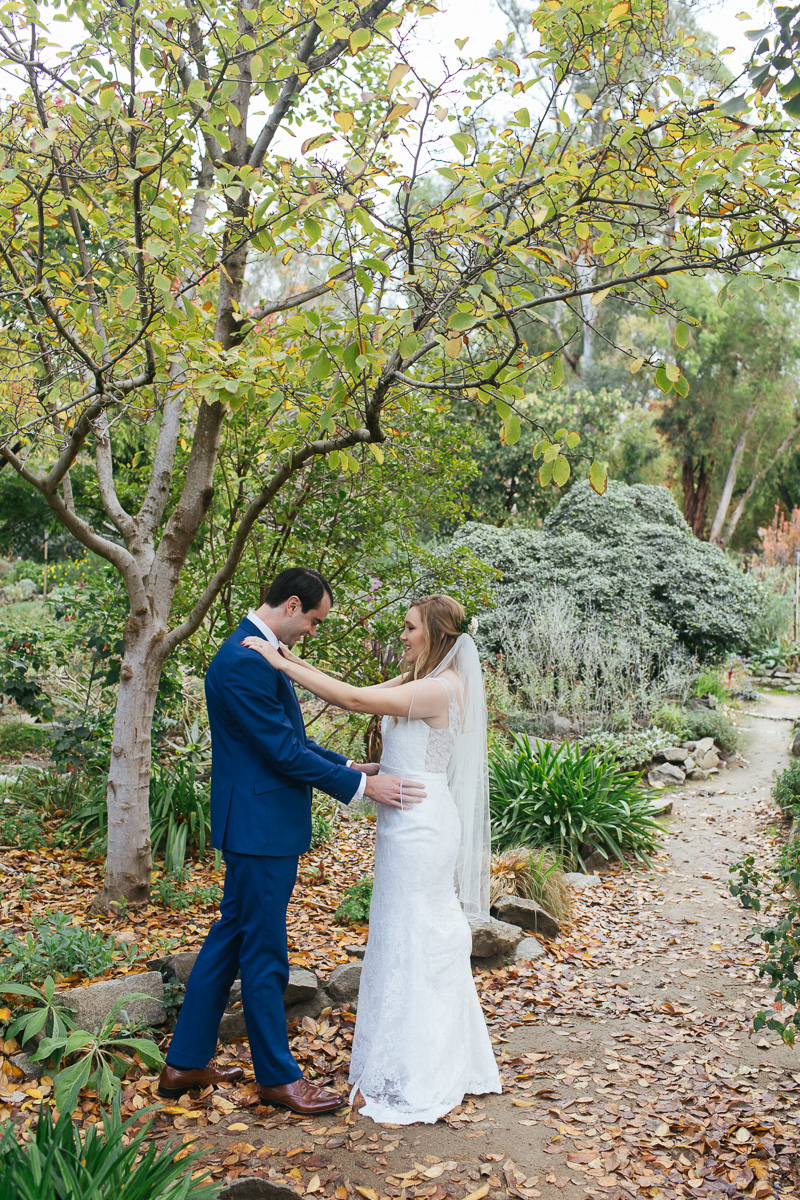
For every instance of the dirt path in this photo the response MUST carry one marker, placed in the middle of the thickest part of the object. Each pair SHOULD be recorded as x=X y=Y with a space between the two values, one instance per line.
x=630 y=1067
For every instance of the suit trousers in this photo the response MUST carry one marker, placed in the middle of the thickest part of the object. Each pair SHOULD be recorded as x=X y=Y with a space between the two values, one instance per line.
x=249 y=937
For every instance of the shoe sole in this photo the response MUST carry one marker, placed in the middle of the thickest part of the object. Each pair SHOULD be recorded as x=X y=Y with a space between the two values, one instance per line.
x=174 y=1093
x=304 y=1112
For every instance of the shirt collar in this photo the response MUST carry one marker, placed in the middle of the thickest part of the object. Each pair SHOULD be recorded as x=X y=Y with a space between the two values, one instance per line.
x=265 y=629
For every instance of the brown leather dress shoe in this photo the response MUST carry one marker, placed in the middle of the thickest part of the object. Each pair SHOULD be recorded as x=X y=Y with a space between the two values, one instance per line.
x=174 y=1082
x=301 y=1097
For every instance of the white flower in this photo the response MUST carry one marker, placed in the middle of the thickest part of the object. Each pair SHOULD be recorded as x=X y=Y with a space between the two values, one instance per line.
x=473 y=626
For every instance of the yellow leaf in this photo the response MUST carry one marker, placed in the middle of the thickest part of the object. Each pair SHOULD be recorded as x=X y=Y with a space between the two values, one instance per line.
x=673 y=372
x=636 y=365
x=370 y=1193
x=661 y=281
x=376 y=451
x=452 y=347
x=184 y=443
x=395 y=75
x=314 y=1184
x=441 y=113
x=523 y=1103
x=400 y=110
x=618 y=12
x=344 y=120
x=359 y=40
x=287 y=257
x=647 y=116
x=482 y=1191
x=599 y=297
x=582 y=231
x=584 y=100
x=238 y=1127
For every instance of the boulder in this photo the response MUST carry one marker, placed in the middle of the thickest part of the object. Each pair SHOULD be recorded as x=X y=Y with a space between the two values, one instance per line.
x=710 y=761
x=355 y=951
x=662 y=810
x=557 y=726
x=528 y=949
x=702 y=747
x=31 y=1070
x=258 y=1189
x=688 y=765
x=303 y=985
x=344 y=982
x=579 y=882
x=175 y=966
x=232 y=1027
x=697 y=775
x=667 y=774
x=526 y=914
x=596 y=860
x=796 y=745
x=672 y=754
x=491 y=938
x=689 y=746
x=93 y=1003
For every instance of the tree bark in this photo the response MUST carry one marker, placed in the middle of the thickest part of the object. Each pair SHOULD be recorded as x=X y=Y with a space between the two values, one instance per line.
x=736 y=516
x=129 y=860
x=730 y=482
x=695 y=494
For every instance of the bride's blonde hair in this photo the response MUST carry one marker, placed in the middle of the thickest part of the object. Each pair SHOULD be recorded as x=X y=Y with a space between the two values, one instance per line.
x=443 y=620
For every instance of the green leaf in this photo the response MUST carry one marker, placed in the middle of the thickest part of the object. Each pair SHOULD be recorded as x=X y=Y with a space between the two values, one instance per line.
x=545 y=474
x=503 y=409
x=512 y=430
x=461 y=320
x=126 y=297
x=681 y=335
x=573 y=439
x=598 y=477
x=561 y=470
x=662 y=380
x=556 y=373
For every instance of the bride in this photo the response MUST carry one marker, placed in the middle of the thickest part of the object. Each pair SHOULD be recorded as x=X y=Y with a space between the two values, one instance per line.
x=420 y=1042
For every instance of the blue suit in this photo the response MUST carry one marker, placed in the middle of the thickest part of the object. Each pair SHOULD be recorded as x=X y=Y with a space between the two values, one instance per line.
x=262 y=772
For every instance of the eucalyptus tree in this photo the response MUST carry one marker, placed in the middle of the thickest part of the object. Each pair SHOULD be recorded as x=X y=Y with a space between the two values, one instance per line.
x=141 y=162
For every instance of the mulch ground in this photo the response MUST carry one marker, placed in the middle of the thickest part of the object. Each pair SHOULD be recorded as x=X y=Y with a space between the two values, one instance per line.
x=627 y=1055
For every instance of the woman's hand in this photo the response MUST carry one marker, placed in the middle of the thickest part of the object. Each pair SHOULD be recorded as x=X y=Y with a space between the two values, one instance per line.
x=266 y=650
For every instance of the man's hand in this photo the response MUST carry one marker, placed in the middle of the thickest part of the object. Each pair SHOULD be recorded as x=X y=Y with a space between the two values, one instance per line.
x=394 y=791
x=366 y=768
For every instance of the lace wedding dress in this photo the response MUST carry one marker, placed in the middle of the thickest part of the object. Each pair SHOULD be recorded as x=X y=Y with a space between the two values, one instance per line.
x=420 y=1043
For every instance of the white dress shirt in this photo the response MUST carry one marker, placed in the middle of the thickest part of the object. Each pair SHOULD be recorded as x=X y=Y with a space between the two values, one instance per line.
x=273 y=641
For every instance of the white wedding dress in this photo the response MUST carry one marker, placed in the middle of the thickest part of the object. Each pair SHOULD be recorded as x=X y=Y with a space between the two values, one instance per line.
x=420 y=1042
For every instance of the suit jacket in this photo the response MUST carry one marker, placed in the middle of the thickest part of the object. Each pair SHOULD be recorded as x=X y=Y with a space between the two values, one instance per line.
x=263 y=766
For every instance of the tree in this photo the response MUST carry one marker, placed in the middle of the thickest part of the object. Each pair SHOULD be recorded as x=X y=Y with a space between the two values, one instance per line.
x=139 y=170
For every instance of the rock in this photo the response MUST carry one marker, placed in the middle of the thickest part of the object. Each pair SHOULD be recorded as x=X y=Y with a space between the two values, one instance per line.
x=344 y=982
x=690 y=746
x=31 y=1070
x=596 y=861
x=702 y=747
x=697 y=775
x=528 y=949
x=672 y=754
x=688 y=765
x=257 y=1189
x=527 y=914
x=662 y=810
x=93 y=1003
x=232 y=1027
x=796 y=745
x=354 y=951
x=303 y=985
x=175 y=966
x=710 y=761
x=556 y=725
x=579 y=882
x=491 y=938
x=667 y=773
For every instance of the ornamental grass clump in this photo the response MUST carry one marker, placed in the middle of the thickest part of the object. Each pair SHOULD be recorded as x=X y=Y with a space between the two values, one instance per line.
x=532 y=874
x=572 y=800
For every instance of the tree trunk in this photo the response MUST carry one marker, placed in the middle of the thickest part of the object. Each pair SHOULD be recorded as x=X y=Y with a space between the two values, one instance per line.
x=730 y=481
x=129 y=859
x=757 y=477
x=695 y=494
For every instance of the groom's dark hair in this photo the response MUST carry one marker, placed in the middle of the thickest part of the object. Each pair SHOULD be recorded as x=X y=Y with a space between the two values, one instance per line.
x=304 y=582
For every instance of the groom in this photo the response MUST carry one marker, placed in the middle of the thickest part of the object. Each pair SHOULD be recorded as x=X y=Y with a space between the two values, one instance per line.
x=262 y=772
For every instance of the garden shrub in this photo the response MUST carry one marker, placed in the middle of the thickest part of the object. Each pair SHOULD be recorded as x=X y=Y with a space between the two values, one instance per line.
x=573 y=800
x=355 y=905
x=103 y=1162
x=20 y=737
x=710 y=722
x=631 y=749
x=630 y=556
x=786 y=788
x=672 y=719
x=55 y=945
x=20 y=827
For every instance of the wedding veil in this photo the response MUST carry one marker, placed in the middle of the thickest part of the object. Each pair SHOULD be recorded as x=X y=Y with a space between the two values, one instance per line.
x=468 y=777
